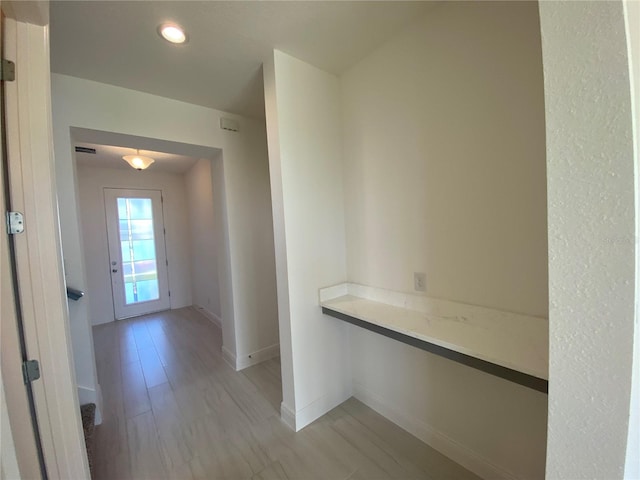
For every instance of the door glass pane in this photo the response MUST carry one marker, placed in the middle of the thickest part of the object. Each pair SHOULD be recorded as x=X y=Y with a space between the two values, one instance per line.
x=138 y=246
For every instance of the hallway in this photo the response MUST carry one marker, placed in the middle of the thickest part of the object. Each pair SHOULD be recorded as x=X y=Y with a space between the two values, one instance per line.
x=174 y=409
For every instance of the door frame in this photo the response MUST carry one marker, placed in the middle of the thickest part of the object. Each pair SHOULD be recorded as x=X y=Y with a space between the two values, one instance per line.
x=161 y=253
x=38 y=250
x=21 y=455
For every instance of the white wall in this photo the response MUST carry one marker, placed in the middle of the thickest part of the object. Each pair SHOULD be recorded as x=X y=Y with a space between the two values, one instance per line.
x=592 y=243
x=632 y=17
x=221 y=227
x=249 y=301
x=444 y=159
x=204 y=248
x=91 y=184
x=248 y=197
x=305 y=158
x=443 y=131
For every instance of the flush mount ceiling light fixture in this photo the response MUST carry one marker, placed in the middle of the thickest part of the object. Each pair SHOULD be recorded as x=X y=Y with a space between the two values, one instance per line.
x=172 y=33
x=137 y=161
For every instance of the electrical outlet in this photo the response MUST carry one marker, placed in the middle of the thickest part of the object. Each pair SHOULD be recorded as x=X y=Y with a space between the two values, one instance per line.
x=420 y=282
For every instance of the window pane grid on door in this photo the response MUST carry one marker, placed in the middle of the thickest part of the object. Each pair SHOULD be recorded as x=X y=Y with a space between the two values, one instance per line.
x=142 y=250
x=137 y=245
x=136 y=229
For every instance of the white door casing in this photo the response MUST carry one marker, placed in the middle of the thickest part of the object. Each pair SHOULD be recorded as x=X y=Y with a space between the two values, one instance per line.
x=18 y=445
x=38 y=249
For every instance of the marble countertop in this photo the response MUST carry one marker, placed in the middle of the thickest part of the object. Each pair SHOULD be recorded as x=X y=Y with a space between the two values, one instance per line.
x=512 y=340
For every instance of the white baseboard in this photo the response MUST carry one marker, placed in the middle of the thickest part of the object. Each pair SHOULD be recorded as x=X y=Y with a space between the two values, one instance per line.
x=90 y=395
x=244 y=361
x=229 y=357
x=102 y=321
x=86 y=395
x=450 y=448
x=306 y=415
x=99 y=404
x=288 y=416
x=240 y=362
x=209 y=314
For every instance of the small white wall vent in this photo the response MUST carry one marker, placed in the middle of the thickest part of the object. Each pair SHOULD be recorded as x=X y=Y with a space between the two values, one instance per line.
x=229 y=124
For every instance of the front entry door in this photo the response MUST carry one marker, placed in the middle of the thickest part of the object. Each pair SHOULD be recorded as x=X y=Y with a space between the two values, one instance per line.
x=137 y=255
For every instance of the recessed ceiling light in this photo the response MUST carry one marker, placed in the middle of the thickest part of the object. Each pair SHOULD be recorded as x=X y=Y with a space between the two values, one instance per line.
x=172 y=33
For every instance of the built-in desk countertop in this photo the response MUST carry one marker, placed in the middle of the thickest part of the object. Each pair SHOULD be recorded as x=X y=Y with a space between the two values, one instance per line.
x=509 y=345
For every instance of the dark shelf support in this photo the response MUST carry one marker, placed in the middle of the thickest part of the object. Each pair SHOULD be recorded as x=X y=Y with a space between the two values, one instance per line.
x=524 y=379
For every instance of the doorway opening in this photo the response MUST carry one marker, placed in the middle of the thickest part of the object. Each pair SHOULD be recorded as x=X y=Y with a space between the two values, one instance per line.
x=137 y=251
x=213 y=224
x=143 y=245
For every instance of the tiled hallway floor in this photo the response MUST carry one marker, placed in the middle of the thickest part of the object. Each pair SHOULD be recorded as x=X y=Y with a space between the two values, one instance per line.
x=174 y=409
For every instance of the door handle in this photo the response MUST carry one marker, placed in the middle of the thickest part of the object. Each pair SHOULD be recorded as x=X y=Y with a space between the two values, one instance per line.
x=114 y=270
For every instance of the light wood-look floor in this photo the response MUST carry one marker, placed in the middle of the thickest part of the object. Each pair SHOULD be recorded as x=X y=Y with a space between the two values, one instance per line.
x=175 y=410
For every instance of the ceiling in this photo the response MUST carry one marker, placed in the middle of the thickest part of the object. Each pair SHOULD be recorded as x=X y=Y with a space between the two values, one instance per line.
x=220 y=67
x=108 y=156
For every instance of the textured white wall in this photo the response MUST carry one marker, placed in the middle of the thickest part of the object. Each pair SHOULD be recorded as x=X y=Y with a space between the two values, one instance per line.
x=204 y=248
x=592 y=244
x=303 y=122
x=91 y=184
x=248 y=305
x=444 y=157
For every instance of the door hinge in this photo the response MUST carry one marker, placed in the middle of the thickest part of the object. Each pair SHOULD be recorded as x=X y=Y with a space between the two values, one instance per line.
x=30 y=371
x=169 y=292
x=166 y=262
x=7 y=70
x=15 y=223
